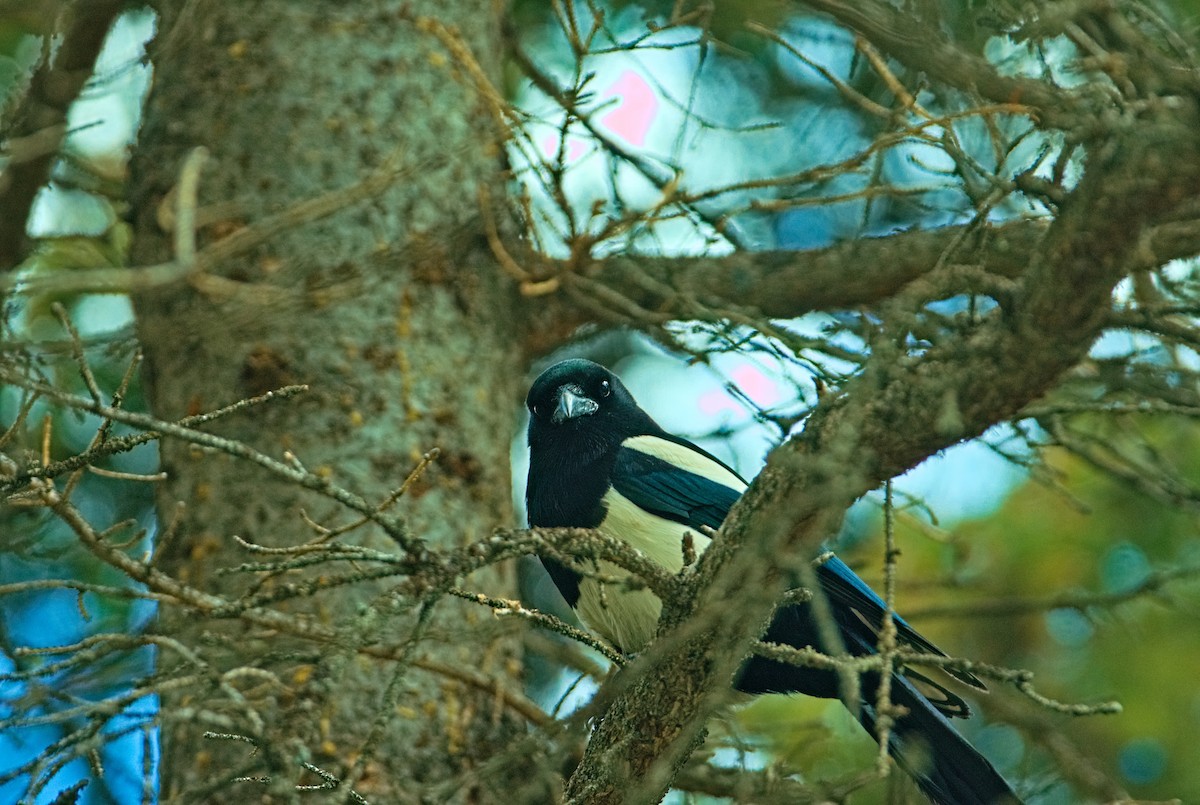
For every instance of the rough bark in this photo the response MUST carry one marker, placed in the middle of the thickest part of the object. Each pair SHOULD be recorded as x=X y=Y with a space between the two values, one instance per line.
x=391 y=311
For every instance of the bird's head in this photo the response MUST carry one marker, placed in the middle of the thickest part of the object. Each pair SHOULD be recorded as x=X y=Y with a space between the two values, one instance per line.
x=579 y=402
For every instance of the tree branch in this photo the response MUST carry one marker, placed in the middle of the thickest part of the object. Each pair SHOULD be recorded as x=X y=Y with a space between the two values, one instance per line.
x=790 y=284
x=912 y=41
x=42 y=119
x=901 y=409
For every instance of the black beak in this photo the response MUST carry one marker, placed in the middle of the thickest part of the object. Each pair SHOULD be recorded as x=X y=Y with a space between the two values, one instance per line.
x=572 y=402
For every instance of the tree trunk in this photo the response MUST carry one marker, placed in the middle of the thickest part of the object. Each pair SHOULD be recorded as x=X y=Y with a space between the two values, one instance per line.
x=395 y=315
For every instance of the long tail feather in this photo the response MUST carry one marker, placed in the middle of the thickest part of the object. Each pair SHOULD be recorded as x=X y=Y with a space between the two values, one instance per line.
x=946 y=767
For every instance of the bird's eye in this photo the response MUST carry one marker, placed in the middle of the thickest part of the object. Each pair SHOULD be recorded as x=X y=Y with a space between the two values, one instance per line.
x=535 y=411
x=605 y=388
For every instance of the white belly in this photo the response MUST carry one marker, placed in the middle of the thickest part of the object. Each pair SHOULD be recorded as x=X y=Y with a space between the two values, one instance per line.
x=629 y=618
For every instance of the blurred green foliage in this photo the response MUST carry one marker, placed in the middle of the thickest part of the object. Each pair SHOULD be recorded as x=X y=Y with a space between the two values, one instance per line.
x=1089 y=534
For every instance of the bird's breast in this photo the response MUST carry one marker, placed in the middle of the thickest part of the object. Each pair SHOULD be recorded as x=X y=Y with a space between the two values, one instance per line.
x=565 y=496
x=611 y=602
x=660 y=539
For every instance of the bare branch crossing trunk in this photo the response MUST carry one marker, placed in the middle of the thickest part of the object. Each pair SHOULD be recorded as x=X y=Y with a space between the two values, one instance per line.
x=394 y=315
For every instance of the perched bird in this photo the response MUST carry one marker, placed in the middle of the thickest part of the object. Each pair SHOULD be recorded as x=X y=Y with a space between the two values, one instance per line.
x=597 y=460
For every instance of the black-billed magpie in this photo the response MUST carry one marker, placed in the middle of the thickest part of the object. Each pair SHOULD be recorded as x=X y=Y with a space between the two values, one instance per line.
x=597 y=460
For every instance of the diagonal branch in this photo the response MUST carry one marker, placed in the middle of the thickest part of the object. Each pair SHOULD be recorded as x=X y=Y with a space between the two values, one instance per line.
x=901 y=409
x=42 y=119
x=856 y=273
x=917 y=44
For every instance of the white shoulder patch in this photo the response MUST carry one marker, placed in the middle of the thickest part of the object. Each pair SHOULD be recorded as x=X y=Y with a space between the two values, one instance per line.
x=686 y=459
